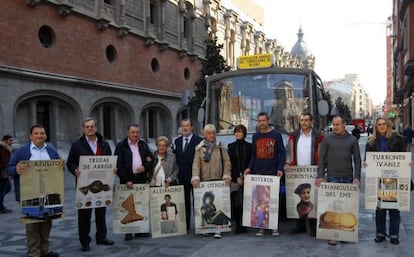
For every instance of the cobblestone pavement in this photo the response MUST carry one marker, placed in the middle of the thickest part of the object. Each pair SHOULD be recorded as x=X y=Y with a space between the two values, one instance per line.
x=64 y=239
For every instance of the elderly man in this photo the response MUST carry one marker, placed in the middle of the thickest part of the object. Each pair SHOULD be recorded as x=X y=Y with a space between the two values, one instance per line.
x=90 y=143
x=134 y=162
x=211 y=161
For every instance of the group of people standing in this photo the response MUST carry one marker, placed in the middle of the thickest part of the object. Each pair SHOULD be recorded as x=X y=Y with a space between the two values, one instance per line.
x=195 y=159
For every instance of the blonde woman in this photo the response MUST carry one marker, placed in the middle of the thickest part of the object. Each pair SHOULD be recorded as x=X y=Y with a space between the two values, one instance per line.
x=165 y=167
x=383 y=139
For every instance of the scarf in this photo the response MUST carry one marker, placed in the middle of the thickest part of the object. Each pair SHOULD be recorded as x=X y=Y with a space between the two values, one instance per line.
x=209 y=149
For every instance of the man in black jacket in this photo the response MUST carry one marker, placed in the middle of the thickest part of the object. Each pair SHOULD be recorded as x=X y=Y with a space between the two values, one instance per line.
x=91 y=143
x=134 y=162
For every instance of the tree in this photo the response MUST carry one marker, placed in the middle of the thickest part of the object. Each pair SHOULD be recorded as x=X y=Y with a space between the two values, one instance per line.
x=343 y=109
x=327 y=97
x=213 y=63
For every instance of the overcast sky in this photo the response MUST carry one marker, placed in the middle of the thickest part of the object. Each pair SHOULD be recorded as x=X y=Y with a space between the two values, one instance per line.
x=344 y=36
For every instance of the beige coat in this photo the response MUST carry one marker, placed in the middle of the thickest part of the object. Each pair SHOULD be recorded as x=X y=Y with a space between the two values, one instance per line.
x=215 y=169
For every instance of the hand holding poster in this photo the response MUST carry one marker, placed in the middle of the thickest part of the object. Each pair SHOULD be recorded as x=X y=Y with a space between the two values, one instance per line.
x=387 y=182
x=212 y=207
x=300 y=192
x=41 y=191
x=167 y=211
x=95 y=182
x=131 y=209
x=261 y=201
x=338 y=211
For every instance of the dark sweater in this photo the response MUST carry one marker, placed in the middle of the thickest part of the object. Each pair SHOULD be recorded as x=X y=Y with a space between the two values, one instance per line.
x=268 y=153
x=336 y=153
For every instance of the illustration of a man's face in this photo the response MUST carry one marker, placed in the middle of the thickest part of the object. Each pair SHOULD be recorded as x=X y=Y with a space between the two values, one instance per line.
x=305 y=195
x=167 y=199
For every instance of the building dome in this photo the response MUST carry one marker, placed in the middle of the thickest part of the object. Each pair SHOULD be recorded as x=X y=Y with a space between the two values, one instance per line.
x=300 y=48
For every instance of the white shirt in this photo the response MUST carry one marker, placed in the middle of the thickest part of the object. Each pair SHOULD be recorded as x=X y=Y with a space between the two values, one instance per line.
x=159 y=168
x=93 y=144
x=38 y=153
x=188 y=138
x=304 y=155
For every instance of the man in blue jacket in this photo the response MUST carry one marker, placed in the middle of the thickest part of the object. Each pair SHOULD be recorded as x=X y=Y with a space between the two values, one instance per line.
x=37 y=234
x=184 y=155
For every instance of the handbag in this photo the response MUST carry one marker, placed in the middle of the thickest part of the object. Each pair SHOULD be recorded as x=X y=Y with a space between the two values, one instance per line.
x=3 y=173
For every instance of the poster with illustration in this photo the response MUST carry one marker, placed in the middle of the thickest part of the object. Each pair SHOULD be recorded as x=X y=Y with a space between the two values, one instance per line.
x=387 y=180
x=94 y=187
x=301 y=192
x=261 y=201
x=167 y=211
x=41 y=191
x=338 y=212
x=131 y=209
x=212 y=210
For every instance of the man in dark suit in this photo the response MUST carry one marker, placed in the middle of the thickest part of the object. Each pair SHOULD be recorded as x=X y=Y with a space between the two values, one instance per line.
x=184 y=153
x=91 y=143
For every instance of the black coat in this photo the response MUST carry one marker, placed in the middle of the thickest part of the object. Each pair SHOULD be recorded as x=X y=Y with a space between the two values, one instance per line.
x=395 y=144
x=124 y=162
x=240 y=152
x=81 y=147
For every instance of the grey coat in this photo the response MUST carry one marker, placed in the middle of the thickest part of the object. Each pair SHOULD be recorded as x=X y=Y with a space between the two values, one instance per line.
x=170 y=167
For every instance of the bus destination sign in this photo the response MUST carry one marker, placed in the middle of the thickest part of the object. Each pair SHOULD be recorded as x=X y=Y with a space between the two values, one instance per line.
x=255 y=61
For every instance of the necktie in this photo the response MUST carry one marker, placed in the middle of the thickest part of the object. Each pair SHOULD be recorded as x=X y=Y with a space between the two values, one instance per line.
x=186 y=145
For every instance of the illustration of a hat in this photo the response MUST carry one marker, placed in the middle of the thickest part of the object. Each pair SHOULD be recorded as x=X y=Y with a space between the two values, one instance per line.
x=301 y=187
x=95 y=187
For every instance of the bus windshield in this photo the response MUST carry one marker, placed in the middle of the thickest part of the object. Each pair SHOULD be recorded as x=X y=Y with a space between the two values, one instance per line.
x=238 y=99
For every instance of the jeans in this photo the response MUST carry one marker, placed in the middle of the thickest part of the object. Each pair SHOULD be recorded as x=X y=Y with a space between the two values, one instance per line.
x=340 y=180
x=394 y=226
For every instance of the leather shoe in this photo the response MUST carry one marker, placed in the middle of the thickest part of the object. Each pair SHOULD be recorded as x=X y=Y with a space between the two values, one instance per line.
x=105 y=242
x=142 y=234
x=395 y=241
x=51 y=254
x=85 y=248
x=128 y=237
x=379 y=239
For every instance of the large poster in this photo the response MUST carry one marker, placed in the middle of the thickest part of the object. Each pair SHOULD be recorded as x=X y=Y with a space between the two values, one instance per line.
x=387 y=181
x=167 y=211
x=301 y=192
x=212 y=208
x=131 y=209
x=338 y=211
x=94 y=187
x=261 y=201
x=41 y=191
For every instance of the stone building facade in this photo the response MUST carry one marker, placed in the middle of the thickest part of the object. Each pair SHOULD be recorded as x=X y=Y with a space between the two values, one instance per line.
x=121 y=61
x=400 y=45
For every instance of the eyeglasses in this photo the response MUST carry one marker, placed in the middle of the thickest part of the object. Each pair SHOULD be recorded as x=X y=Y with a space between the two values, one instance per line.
x=381 y=124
